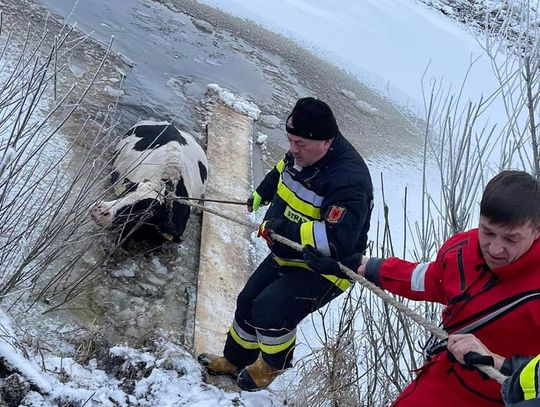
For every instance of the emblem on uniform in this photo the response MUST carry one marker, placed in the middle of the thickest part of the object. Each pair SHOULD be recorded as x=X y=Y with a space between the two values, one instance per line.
x=335 y=214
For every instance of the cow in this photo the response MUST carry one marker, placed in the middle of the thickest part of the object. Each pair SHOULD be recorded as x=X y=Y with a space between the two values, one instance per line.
x=152 y=162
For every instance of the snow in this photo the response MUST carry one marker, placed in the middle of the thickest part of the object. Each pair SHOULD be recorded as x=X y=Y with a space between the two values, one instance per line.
x=174 y=379
x=158 y=267
x=235 y=102
x=12 y=357
x=261 y=138
x=113 y=92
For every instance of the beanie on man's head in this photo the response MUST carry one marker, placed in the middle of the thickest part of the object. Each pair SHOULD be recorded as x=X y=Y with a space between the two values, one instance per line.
x=312 y=119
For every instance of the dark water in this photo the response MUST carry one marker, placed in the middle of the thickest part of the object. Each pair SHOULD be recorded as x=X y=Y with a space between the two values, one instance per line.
x=173 y=60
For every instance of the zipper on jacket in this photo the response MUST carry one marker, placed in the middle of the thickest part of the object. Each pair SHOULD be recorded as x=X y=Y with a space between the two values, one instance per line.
x=460 y=267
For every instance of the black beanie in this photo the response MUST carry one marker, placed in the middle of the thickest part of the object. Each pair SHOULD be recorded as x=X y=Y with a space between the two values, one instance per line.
x=312 y=119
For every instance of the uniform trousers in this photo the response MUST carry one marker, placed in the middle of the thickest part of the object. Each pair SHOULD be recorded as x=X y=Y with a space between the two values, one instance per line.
x=268 y=309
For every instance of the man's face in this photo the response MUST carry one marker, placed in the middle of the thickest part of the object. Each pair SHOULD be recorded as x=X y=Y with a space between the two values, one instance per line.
x=307 y=152
x=502 y=245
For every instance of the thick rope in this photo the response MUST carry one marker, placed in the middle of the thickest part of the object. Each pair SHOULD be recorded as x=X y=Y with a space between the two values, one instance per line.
x=383 y=295
x=217 y=213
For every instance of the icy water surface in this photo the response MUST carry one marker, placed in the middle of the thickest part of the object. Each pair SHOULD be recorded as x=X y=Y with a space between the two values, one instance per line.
x=174 y=57
x=179 y=47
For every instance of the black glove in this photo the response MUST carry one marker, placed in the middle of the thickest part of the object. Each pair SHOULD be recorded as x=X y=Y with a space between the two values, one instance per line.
x=320 y=263
x=473 y=358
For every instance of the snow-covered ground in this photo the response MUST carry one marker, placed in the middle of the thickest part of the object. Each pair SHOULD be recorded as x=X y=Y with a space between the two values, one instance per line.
x=389 y=44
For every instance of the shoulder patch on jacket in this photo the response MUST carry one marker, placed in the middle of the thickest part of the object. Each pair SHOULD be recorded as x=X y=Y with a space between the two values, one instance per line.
x=335 y=214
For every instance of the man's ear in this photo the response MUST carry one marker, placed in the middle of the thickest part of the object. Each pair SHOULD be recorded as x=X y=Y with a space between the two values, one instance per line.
x=537 y=232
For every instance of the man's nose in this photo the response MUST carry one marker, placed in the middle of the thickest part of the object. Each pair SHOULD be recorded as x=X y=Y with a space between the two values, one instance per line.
x=496 y=246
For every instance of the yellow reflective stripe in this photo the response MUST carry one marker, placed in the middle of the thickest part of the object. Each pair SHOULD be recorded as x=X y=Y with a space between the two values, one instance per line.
x=291 y=263
x=296 y=203
x=306 y=234
x=342 y=283
x=294 y=216
x=280 y=166
x=272 y=349
x=242 y=342
x=528 y=379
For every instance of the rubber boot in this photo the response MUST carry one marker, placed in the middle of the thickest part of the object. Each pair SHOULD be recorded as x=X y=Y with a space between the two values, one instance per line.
x=257 y=376
x=217 y=365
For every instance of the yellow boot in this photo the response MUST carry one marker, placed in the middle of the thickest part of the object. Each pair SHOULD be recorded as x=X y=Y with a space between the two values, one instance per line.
x=217 y=365
x=257 y=376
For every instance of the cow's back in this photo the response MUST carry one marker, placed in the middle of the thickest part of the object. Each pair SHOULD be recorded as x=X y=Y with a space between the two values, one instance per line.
x=157 y=150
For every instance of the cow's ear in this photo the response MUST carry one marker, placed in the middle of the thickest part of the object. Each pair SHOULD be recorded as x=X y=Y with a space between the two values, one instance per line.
x=129 y=186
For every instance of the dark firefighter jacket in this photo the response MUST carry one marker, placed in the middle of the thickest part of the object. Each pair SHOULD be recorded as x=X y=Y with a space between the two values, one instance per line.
x=522 y=388
x=500 y=307
x=327 y=205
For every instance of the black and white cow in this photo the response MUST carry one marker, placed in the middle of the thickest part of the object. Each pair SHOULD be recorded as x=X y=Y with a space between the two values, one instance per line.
x=152 y=161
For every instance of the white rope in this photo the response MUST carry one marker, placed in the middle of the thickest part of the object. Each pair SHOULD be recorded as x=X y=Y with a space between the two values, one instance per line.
x=383 y=295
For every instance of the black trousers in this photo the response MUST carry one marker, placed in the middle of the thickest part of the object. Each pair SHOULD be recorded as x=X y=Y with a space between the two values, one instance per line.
x=272 y=303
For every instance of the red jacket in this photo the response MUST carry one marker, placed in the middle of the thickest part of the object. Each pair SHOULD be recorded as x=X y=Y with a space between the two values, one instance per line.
x=460 y=279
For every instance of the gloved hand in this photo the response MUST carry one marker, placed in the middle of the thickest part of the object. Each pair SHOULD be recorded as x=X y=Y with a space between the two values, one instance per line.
x=253 y=202
x=471 y=359
x=474 y=358
x=326 y=265
x=320 y=263
x=270 y=225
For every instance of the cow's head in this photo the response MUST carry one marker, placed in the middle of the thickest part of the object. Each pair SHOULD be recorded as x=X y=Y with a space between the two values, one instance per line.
x=139 y=204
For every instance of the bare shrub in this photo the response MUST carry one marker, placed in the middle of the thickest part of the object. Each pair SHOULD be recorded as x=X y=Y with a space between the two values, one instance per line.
x=47 y=181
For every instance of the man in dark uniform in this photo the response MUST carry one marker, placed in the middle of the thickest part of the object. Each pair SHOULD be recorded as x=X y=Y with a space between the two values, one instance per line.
x=522 y=388
x=321 y=194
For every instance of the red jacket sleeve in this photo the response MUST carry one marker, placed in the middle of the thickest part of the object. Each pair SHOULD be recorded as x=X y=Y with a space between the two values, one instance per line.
x=416 y=281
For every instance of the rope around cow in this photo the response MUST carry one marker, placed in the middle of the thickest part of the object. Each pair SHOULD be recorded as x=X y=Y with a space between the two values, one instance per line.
x=383 y=295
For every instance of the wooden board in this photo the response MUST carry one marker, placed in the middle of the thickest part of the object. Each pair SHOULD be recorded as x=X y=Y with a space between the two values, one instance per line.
x=224 y=254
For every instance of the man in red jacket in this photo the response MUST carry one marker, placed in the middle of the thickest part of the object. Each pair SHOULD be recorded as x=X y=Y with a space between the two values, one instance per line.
x=489 y=280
